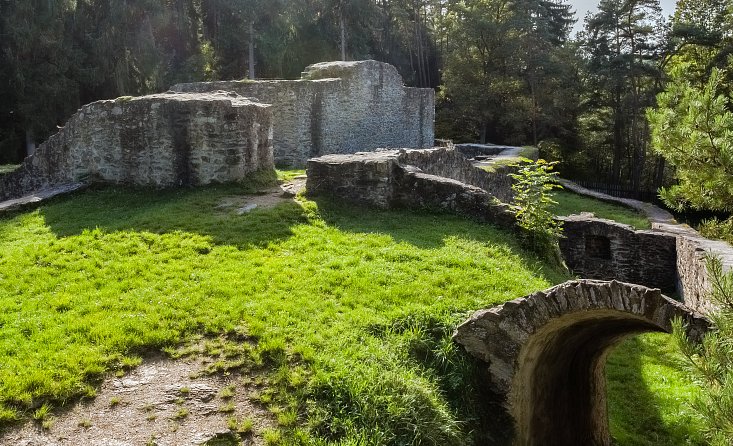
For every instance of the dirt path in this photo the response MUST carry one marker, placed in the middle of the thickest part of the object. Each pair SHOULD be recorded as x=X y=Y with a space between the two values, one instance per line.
x=158 y=403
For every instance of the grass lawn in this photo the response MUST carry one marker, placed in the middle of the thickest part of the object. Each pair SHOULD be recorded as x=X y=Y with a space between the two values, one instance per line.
x=6 y=168
x=348 y=312
x=572 y=203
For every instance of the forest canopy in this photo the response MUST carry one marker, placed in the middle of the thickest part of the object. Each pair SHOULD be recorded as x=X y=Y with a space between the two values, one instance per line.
x=507 y=72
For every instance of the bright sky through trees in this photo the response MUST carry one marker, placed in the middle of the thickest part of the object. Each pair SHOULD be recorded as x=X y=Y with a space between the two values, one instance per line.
x=581 y=7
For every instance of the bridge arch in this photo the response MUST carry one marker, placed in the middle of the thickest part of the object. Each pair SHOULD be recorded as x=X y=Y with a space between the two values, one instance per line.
x=546 y=353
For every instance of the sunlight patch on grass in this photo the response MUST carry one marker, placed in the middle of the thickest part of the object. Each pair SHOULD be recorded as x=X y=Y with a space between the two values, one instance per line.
x=571 y=203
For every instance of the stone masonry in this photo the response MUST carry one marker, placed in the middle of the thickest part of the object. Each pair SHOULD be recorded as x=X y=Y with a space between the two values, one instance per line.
x=161 y=140
x=545 y=354
x=439 y=179
x=338 y=107
x=603 y=249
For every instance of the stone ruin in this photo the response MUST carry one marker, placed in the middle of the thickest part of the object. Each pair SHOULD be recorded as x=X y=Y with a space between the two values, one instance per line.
x=438 y=179
x=211 y=133
x=159 y=140
x=545 y=354
x=338 y=107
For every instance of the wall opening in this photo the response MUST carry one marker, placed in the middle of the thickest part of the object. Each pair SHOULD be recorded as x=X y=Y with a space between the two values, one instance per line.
x=597 y=247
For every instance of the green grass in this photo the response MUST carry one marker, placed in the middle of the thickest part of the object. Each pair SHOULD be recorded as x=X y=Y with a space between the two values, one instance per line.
x=7 y=168
x=343 y=315
x=287 y=175
x=572 y=203
x=648 y=394
x=91 y=282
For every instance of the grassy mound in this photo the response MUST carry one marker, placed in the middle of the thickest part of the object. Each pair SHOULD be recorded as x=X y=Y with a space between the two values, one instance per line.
x=346 y=313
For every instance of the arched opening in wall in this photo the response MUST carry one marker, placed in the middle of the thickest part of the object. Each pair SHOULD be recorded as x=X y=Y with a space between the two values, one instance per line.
x=559 y=391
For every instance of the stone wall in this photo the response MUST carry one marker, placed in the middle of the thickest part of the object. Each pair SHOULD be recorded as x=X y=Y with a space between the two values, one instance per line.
x=693 y=282
x=339 y=107
x=606 y=250
x=545 y=354
x=159 y=140
x=435 y=179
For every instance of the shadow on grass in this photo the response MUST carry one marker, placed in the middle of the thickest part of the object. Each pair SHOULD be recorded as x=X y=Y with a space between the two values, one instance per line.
x=430 y=230
x=635 y=409
x=160 y=211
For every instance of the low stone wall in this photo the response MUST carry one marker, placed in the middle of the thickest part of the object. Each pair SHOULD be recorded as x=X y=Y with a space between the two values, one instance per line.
x=339 y=107
x=435 y=179
x=158 y=140
x=606 y=250
x=671 y=257
x=693 y=282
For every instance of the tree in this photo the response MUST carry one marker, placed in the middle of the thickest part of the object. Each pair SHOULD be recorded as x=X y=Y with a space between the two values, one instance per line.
x=693 y=129
x=506 y=74
x=622 y=46
x=710 y=362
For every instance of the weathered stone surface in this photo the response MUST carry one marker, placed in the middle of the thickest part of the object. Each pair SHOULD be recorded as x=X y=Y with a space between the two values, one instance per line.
x=693 y=282
x=546 y=353
x=339 y=107
x=603 y=249
x=437 y=179
x=670 y=256
x=162 y=140
x=38 y=196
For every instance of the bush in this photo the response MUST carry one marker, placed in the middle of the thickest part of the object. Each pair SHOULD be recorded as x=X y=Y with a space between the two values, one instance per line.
x=533 y=207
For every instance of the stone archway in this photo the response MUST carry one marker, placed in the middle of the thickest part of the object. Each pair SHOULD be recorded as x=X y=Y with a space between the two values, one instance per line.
x=546 y=353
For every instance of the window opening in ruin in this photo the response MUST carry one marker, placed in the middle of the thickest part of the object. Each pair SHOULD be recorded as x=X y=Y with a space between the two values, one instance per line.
x=598 y=247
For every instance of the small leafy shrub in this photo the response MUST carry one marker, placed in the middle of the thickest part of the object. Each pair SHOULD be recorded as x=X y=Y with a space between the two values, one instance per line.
x=710 y=362
x=533 y=206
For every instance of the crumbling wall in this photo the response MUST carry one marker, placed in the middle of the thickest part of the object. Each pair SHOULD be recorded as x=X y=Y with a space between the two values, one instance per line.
x=339 y=107
x=431 y=179
x=158 y=140
x=693 y=280
x=606 y=250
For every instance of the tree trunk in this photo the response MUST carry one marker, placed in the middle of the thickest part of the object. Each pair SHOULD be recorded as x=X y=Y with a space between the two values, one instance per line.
x=30 y=143
x=342 y=24
x=251 y=62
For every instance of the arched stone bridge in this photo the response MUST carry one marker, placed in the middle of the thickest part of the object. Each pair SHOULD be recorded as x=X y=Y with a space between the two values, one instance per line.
x=546 y=353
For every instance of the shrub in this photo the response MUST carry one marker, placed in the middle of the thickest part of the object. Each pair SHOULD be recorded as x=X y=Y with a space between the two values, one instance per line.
x=533 y=204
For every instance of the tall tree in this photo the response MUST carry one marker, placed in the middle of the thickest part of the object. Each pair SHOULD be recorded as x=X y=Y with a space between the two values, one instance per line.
x=505 y=68
x=623 y=45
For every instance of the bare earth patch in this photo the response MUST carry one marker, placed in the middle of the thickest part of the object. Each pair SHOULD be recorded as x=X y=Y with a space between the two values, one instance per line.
x=159 y=403
x=266 y=199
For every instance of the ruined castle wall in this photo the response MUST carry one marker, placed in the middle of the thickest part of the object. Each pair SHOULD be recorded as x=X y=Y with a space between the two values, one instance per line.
x=158 y=140
x=339 y=107
x=606 y=250
x=444 y=162
x=411 y=179
x=693 y=280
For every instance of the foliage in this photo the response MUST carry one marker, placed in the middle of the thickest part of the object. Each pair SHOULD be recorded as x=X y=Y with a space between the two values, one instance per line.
x=508 y=75
x=717 y=229
x=569 y=203
x=711 y=361
x=532 y=186
x=693 y=130
x=622 y=48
